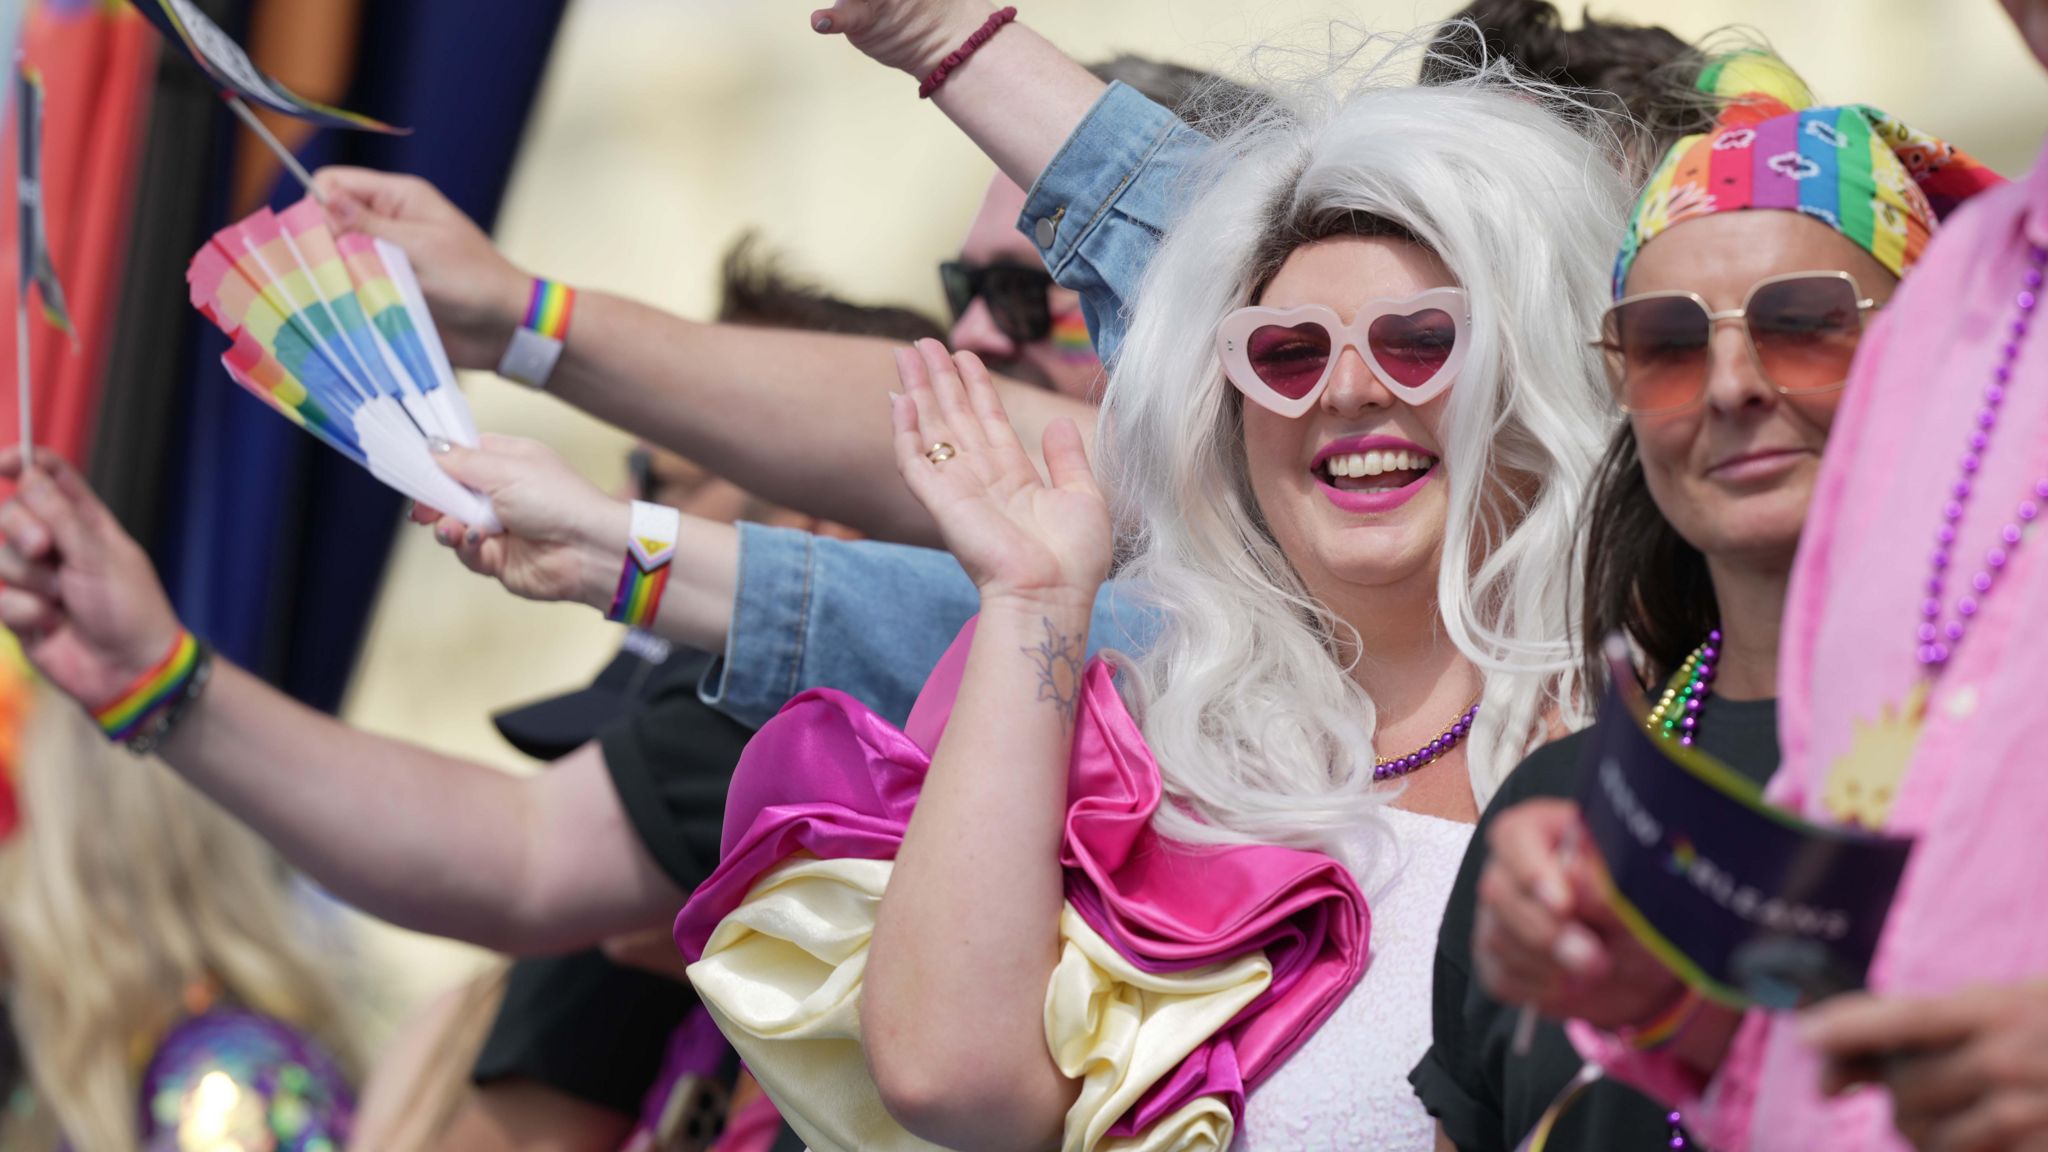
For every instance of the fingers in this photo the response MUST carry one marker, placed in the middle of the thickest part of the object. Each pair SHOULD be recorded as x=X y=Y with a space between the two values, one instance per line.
x=366 y=191
x=1528 y=841
x=1933 y=1084
x=495 y=464
x=58 y=514
x=17 y=571
x=1530 y=938
x=27 y=614
x=479 y=552
x=845 y=18
x=1511 y=975
x=993 y=422
x=25 y=533
x=950 y=397
x=1066 y=459
x=919 y=414
x=1851 y=1026
x=915 y=467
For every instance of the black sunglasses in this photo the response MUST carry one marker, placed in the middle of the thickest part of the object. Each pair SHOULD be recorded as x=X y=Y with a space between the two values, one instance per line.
x=1018 y=296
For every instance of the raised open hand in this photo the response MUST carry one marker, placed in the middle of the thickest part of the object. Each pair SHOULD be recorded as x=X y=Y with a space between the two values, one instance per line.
x=562 y=537
x=1017 y=535
x=80 y=593
x=909 y=35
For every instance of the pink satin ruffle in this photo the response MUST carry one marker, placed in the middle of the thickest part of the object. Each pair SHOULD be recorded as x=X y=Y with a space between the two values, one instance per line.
x=829 y=777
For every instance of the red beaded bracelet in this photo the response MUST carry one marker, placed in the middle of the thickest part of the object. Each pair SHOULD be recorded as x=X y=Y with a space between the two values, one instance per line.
x=959 y=55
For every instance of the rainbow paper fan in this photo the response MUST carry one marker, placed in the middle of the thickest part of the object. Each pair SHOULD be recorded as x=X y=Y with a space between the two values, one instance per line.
x=334 y=333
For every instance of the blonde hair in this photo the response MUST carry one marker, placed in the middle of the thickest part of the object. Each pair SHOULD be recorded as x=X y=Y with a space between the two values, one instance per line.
x=123 y=890
x=1260 y=732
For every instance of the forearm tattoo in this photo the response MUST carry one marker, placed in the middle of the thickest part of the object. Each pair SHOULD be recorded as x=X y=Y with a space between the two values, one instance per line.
x=1058 y=660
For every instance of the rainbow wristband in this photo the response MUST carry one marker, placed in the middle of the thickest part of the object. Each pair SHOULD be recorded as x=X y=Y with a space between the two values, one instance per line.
x=1664 y=1027
x=549 y=308
x=154 y=696
x=537 y=342
x=649 y=548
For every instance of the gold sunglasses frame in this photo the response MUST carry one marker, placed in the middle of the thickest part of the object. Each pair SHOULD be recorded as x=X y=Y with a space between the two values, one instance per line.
x=1615 y=380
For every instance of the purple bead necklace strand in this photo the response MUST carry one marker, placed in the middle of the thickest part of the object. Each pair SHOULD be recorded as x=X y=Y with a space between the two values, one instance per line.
x=1935 y=638
x=1431 y=752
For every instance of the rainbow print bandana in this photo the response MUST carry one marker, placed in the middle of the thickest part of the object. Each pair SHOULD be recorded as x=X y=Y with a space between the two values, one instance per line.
x=1853 y=167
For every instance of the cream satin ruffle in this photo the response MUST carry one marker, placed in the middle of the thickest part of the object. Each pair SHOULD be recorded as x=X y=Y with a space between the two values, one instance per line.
x=782 y=975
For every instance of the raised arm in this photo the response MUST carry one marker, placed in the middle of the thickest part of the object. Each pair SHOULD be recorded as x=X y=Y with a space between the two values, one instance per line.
x=1020 y=97
x=865 y=617
x=967 y=938
x=1108 y=171
x=791 y=416
x=427 y=841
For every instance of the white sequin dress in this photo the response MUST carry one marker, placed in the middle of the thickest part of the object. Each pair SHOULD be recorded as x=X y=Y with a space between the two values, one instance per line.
x=1347 y=1087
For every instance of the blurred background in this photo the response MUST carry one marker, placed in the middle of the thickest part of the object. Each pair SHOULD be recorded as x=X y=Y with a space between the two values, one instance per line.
x=662 y=130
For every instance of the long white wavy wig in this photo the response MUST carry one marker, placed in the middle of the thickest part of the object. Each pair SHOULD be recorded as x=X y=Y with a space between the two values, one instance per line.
x=1245 y=698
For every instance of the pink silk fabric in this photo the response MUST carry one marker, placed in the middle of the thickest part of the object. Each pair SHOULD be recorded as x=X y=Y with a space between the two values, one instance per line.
x=829 y=777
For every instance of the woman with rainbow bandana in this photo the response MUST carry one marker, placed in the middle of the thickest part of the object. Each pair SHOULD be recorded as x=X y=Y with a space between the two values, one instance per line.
x=1787 y=225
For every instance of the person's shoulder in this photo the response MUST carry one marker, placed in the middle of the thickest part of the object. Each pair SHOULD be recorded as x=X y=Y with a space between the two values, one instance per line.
x=1552 y=770
x=242 y=1072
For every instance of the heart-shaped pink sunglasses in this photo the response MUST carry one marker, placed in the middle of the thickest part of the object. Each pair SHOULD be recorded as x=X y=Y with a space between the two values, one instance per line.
x=1283 y=358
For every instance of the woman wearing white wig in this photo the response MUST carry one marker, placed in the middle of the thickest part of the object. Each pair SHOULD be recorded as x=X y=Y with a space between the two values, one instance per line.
x=1345 y=440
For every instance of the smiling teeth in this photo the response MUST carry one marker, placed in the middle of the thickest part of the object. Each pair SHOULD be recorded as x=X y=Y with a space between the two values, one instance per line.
x=1376 y=462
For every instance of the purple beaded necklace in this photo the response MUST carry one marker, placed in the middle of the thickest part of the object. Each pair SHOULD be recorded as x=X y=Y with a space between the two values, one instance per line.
x=1429 y=753
x=1937 y=639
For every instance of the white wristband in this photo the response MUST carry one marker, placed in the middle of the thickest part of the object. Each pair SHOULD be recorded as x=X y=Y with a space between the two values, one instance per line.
x=530 y=358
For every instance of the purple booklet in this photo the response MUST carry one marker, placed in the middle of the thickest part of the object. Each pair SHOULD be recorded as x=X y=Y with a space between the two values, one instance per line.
x=1746 y=902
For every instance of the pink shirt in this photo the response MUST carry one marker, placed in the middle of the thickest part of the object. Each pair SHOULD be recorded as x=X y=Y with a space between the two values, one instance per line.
x=1971 y=908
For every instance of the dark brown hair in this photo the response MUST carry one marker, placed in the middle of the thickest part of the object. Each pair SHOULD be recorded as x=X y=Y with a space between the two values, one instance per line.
x=755 y=289
x=1203 y=100
x=1641 y=578
x=1641 y=70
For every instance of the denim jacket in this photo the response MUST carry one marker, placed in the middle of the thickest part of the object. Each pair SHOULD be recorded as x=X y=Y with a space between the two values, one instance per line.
x=1098 y=210
x=873 y=619
x=867 y=618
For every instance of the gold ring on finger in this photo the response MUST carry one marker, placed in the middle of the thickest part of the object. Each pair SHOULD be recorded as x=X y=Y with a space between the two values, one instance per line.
x=940 y=452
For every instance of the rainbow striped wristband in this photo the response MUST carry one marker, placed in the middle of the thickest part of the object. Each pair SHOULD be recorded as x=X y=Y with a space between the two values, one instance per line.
x=537 y=342
x=649 y=547
x=143 y=715
x=1661 y=1029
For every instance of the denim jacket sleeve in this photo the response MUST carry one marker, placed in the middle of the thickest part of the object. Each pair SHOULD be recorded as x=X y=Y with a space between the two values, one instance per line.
x=1098 y=210
x=867 y=618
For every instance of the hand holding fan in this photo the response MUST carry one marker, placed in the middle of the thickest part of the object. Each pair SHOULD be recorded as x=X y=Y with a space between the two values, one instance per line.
x=334 y=333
